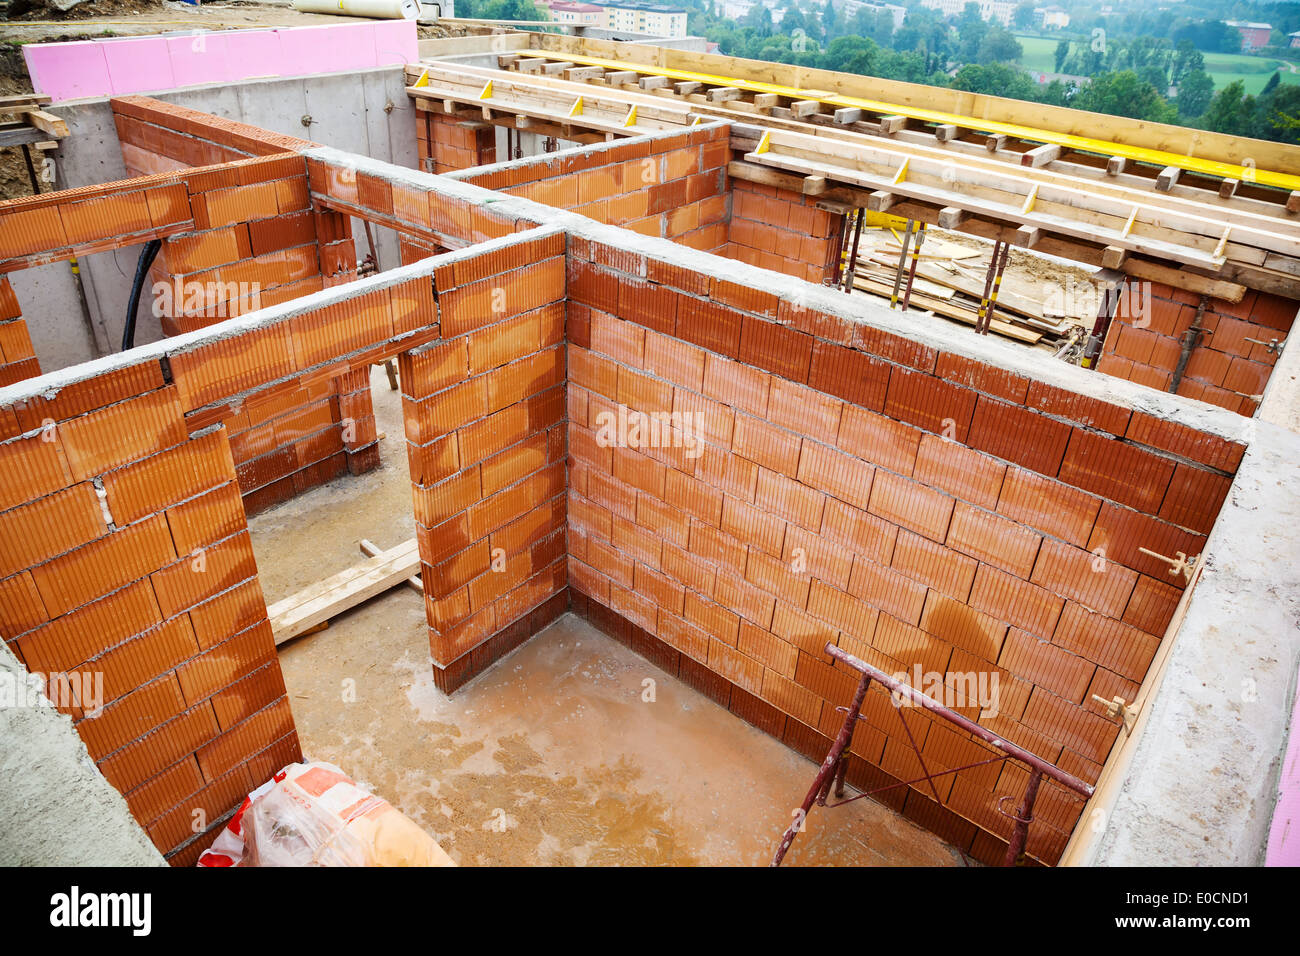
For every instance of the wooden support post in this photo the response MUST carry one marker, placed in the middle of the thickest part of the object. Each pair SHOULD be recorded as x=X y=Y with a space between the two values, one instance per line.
x=553 y=69
x=1168 y=178
x=686 y=87
x=619 y=77
x=653 y=82
x=880 y=200
x=951 y=217
x=889 y=125
x=995 y=142
x=805 y=108
x=945 y=132
x=1293 y=202
x=1228 y=188
x=1116 y=165
x=814 y=185
x=530 y=64
x=723 y=94
x=847 y=115
x=1027 y=236
x=765 y=101
x=1112 y=257
x=1041 y=155
x=581 y=74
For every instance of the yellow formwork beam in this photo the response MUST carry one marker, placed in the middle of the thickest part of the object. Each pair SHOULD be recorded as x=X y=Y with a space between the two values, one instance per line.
x=1085 y=144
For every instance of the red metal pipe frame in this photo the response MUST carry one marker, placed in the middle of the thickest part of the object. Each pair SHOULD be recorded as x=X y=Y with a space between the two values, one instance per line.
x=833 y=768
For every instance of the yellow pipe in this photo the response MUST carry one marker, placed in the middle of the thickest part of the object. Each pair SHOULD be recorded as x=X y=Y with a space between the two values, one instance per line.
x=1085 y=144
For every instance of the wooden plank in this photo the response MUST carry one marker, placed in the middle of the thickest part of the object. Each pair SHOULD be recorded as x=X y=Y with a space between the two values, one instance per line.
x=619 y=77
x=372 y=550
x=1041 y=155
x=46 y=122
x=805 y=108
x=721 y=94
x=1168 y=178
x=1182 y=279
x=1116 y=165
x=995 y=142
x=889 y=125
x=945 y=132
x=765 y=101
x=1112 y=257
x=340 y=592
x=847 y=115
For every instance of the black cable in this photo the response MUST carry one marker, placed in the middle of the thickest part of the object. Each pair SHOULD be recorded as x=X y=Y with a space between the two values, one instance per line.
x=147 y=256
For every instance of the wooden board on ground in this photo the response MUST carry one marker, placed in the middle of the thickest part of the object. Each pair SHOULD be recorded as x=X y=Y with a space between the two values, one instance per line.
x=325 y=599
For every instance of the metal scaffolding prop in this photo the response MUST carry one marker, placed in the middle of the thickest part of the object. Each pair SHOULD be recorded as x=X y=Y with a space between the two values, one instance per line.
x=831 y=773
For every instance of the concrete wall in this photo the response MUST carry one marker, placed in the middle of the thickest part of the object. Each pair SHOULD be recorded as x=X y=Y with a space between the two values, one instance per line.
x=347 y=110
x=67 y=814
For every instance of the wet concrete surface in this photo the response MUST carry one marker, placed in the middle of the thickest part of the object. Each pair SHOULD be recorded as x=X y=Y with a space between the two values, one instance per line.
x=573 y=750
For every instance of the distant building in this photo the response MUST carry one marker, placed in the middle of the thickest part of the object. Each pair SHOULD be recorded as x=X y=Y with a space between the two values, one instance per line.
x=1293 y=38
x=736 y=9
x=1000 y=10
x=583 y=14
x=1052 y=18
x=648 y=18
x=1254 y=36
x=850 y=8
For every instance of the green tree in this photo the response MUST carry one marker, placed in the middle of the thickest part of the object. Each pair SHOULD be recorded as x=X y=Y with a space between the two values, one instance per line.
x=999 y=46
x=1231 y=111
x=1272 y=83
x=1062 y=52
x=1194 y=94
x=1122 y=93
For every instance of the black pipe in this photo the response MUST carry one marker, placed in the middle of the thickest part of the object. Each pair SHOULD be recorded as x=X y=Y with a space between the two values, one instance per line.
x=147 y=256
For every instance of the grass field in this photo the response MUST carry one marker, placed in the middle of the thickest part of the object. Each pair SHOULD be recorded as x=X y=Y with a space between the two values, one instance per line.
x=1040 y=56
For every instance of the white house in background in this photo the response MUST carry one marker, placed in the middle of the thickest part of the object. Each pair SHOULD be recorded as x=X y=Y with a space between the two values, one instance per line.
x=736 y=9
x=582 y=14
x=1000 y=10
x=1293 y=39
x=850 y=8
x=1052 y=18
x=651 y=18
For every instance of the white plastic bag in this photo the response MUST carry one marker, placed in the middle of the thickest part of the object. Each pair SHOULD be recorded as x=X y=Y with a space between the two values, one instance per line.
x=313 y=814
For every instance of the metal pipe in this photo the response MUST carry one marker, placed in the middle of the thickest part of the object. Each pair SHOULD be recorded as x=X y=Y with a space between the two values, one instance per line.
x=851 y=267
x=1024 y=815
x=1191 y=339
x=1105 y=314
x=828 y=768
x=911 y=272
x=902 y=259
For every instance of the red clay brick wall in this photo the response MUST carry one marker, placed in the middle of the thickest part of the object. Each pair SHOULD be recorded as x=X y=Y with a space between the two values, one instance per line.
x=783 y=231
x=126 y=555
x=484 y=410
x=17 y=357
x=124 y=548
x=1224 y=369
x=447 y=143
x=257 y=241
x=856 y=487
x=673 y=186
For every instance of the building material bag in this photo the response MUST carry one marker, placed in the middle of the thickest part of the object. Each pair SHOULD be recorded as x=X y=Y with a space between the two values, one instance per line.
x=313 y=814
